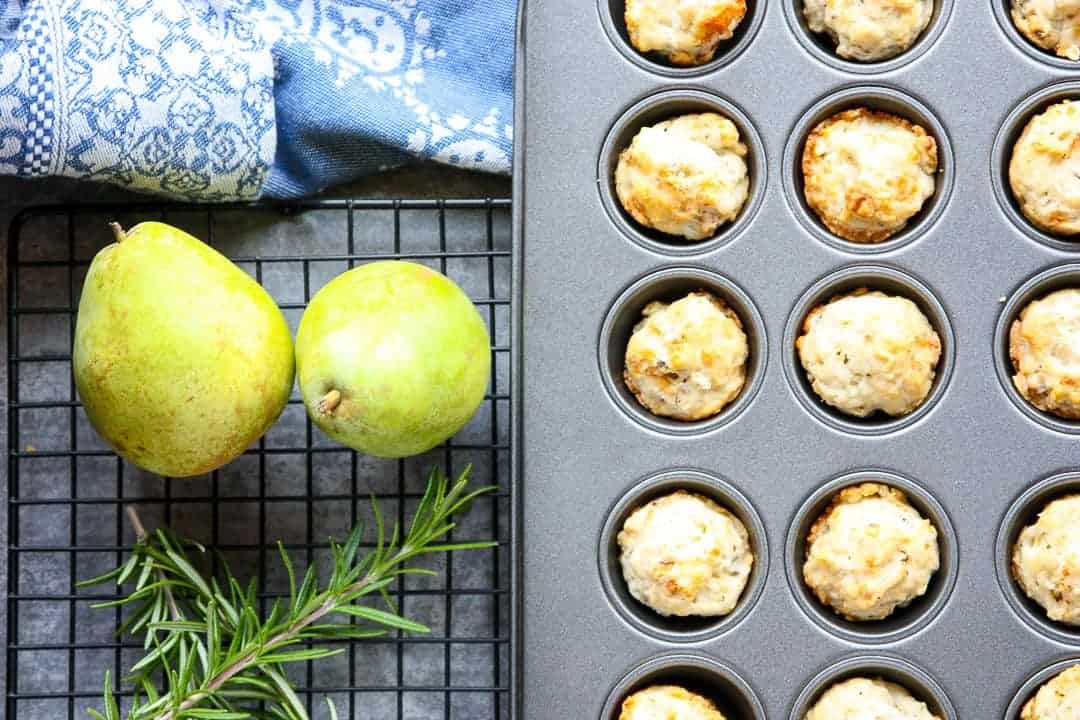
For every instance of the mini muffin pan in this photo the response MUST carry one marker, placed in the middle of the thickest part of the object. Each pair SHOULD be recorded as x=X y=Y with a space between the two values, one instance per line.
x=976 y=459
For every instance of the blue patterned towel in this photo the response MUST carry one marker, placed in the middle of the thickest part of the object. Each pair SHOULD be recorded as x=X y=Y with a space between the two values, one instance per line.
x=215 y=100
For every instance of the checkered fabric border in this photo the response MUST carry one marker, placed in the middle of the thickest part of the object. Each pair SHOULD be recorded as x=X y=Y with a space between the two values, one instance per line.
x=42 y=95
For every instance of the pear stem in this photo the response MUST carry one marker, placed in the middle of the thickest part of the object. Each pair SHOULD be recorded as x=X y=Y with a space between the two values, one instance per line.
x=329 y=402
x=118 y=232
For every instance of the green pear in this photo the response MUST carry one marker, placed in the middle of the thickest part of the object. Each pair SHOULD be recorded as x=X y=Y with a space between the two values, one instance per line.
x=181 y=359
x=393 y=358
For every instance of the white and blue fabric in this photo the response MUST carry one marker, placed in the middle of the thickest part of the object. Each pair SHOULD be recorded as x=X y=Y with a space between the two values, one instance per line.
x=217 y=100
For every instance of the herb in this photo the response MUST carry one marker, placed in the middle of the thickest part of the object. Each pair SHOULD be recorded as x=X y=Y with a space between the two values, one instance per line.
x=208 y=653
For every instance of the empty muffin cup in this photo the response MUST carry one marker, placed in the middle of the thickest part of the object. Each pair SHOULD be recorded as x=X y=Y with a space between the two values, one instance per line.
x=668 y=285
x=666 y=106
x=879 y=99
x=673 y=628
x=903 y=621
x=711 y=679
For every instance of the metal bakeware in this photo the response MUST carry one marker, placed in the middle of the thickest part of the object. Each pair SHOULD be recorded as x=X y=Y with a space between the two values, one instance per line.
x=976 y=459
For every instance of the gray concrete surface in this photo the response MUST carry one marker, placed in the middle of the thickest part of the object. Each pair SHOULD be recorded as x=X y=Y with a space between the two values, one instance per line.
x=236 y=518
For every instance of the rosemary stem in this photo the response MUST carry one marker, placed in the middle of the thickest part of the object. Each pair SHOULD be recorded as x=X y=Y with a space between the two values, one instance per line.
x=141 y=535
x=136 y=522
x=197 y=676
x=252 y=655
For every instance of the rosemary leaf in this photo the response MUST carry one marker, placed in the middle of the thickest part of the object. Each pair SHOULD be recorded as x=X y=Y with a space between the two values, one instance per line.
x=298 y=656
x=383 y=618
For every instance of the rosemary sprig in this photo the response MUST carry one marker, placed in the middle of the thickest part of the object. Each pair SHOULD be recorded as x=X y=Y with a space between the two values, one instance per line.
x=210 y=655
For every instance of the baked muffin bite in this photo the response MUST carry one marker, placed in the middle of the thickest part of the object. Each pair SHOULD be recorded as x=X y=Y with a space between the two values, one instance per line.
x=687 y=360
x=1057 y=699
x=1052 y=25
x=1044 y=344
x=866 y=352
x=686 y=176
x=870 y=552
x=684 y=32
x=869 y=30
x=684 y=555
x=861 y=698
x=866 y=173
x=1045 y=563
x=664 y=702
x=1044 y=171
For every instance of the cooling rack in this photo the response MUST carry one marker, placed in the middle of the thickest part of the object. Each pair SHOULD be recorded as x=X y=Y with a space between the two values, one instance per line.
x=67 y=490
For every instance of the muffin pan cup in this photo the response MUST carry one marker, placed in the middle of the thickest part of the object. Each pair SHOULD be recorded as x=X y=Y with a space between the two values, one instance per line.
x=890 y=668
x=670 y=284
x=587 y=446
x=655 y=109
x=1057 y=277
x=1036 y=681
x=641 y=617
x=903 y=621
x=698 y=673
x=821 y=47
x=1001 y=155
x=883 y=99
x=613 y=17
x=1001 y=10
x=1022 y=512
x=890 y=281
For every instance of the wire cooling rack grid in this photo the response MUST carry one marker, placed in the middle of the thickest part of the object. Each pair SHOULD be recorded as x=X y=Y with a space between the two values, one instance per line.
x=67 y=490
